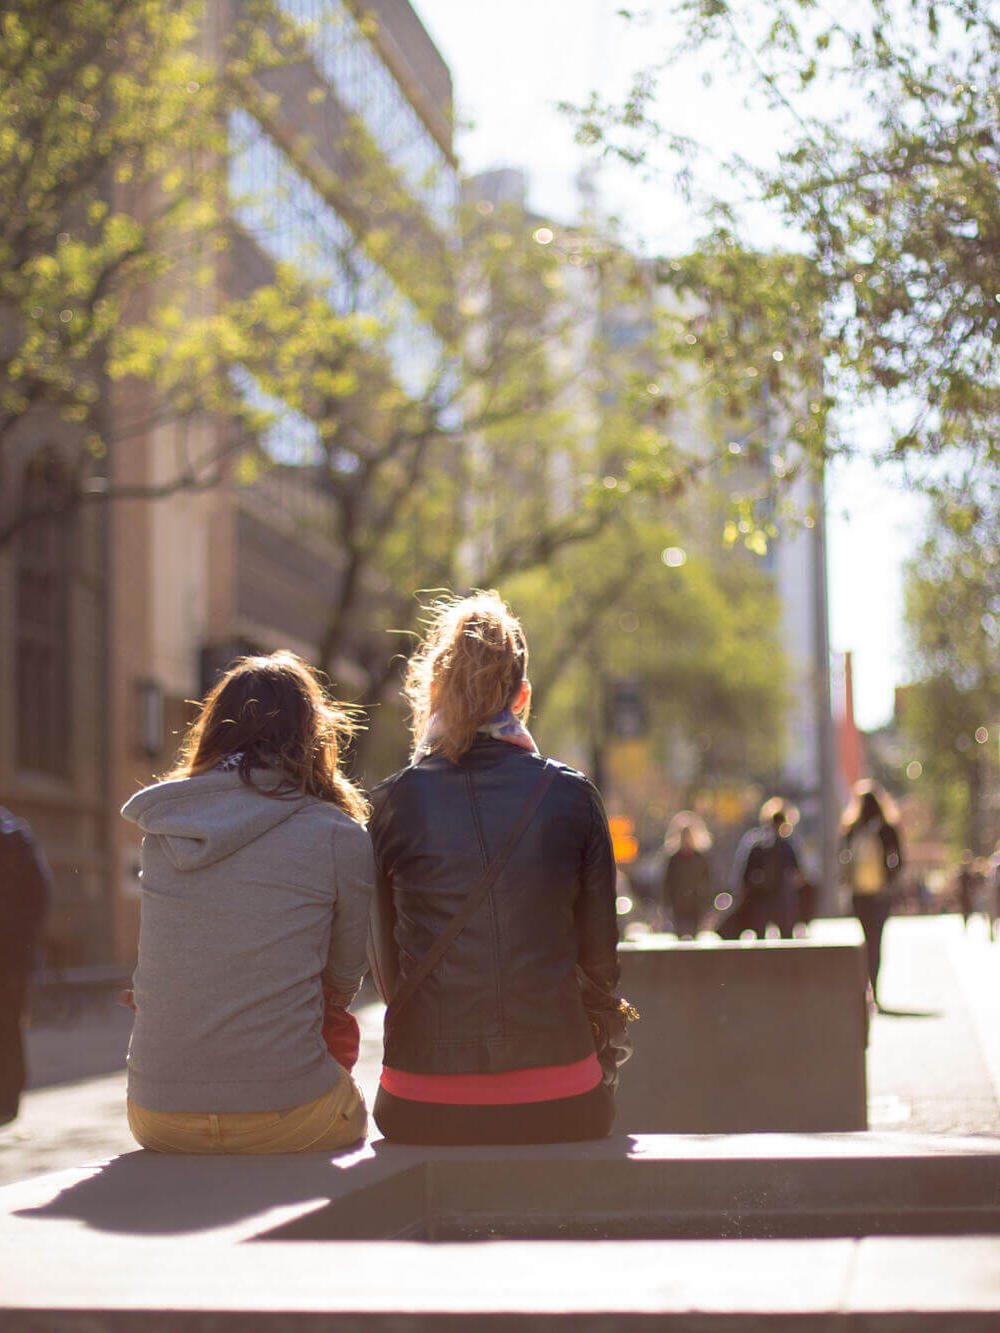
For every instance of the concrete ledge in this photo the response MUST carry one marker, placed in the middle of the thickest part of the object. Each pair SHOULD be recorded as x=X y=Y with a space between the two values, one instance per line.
x=729 y=1285
x=165 y=1244
x=746 y=1036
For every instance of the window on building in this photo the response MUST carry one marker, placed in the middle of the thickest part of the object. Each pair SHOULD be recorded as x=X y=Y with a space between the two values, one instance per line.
x=289 y=219
x=366 y=86
x=41 y=642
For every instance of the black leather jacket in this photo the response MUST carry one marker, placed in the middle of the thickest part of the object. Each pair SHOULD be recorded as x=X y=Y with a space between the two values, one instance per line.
x=505 y=995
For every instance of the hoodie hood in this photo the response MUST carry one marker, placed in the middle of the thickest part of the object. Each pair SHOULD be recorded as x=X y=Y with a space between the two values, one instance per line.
x=200 y=820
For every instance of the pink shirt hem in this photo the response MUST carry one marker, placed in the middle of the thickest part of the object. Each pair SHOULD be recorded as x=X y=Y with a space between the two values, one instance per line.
x=548 y=1083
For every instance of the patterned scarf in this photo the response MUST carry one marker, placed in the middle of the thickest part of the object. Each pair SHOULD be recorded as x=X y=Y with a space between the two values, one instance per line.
x=504 y=727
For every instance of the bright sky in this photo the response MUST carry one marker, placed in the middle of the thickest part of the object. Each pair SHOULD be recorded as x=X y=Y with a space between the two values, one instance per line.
x=511 y=65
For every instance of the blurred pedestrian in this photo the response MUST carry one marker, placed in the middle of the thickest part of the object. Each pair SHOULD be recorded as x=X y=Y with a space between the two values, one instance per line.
x=871 y=859
x=967 y=885
x=807 y=900
x=687 y=889
x=768 y=872
x=25 y=885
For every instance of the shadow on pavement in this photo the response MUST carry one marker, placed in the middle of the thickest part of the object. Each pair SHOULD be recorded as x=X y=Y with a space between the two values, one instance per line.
x=156 y=1194
x=147 y=1193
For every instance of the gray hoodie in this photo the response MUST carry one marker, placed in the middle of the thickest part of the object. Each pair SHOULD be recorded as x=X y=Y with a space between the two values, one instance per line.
x=250 y=903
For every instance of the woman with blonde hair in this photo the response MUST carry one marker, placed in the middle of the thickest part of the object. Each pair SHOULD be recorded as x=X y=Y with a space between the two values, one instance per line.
x=255 y=894
x=496 y=936
x=871 y=859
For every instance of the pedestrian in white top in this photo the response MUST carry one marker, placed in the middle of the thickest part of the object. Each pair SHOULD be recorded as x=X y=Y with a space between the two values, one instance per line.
x=256 y=879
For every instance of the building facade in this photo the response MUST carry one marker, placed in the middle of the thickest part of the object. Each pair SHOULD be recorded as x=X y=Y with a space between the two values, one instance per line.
x=122 y=617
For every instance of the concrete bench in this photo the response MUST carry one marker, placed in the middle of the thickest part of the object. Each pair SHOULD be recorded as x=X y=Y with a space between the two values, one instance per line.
x=746 y=1036
x=854 y=1232
x=57 y=994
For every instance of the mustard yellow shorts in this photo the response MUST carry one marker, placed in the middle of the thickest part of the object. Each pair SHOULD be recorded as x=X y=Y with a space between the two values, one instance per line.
x=331 y=1123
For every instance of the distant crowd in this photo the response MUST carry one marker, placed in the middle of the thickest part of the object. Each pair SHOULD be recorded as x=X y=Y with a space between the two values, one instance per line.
x=770 y=891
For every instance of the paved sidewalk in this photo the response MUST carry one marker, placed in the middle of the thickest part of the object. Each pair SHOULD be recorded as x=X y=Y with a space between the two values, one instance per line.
x=933 y=1062
x=934 y=1054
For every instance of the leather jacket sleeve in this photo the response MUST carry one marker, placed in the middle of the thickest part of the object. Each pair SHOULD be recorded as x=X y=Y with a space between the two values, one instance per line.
x=383 y=959
x=596 y=913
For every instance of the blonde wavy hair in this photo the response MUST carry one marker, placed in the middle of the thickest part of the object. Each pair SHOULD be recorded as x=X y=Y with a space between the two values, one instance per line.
x=274 y=713
x=468 y=667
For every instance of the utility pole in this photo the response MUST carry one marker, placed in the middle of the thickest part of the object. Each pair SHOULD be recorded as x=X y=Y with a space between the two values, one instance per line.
x=824 y=715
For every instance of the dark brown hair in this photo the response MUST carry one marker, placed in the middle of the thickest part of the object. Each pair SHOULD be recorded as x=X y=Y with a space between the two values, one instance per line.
x=274 y=713
x=468 y=668
x=868 y=801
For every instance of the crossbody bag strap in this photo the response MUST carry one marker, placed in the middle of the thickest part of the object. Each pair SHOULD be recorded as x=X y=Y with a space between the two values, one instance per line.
x=476 y=895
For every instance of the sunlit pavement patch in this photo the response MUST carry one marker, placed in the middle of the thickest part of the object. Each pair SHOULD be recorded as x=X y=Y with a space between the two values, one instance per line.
x=887 y=1110
x=12 y=1135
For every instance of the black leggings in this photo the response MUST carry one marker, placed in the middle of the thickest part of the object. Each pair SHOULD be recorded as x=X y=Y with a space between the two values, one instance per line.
x=567 y=1120
x=872 y=911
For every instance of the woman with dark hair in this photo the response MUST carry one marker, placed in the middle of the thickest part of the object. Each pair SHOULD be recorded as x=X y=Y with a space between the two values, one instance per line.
x=255 y=893
x=496 y=934
x=871 y=858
